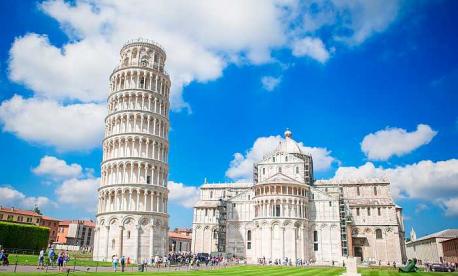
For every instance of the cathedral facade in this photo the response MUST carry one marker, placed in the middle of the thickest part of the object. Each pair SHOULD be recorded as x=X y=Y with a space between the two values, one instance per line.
x=286 y=213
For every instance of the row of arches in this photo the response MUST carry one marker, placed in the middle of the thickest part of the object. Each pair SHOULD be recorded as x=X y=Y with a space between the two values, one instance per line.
x=129 y=122
x=138 y=100
x=133 y=172
x=135 y=146
x=134 y=55
x=140 y=79
x=262 y=190
x=132 y=199
x=290 y=208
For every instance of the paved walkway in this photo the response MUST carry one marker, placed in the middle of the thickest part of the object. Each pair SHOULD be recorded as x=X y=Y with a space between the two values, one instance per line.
x=29 y=268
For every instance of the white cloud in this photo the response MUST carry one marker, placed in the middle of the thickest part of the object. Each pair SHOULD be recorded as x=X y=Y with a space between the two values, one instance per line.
x=184 y=195
x=79 y=193
x=241 y=167
x=451 y=207
x=70 y=127
x=427 y=180
x=55 y=168
x=352 y=21
x=312 y=47
x=9 y=197
x=385 y=143
x=269 y=83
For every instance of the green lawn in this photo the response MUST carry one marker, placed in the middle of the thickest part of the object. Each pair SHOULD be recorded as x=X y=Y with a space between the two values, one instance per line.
x=33 y=260
x=256 y=270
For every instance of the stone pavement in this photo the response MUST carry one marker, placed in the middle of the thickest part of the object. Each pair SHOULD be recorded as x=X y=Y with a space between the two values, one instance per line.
x=29 y=268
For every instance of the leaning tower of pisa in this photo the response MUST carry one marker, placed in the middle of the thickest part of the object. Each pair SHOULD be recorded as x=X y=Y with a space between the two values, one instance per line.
x=132 y=219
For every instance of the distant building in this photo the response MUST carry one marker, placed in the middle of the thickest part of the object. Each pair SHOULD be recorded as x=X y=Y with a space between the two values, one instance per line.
x=430 y=248
x=30 y=217
x=180 y=240
x=76 y=232
x=450 y=248
x=53 y=225
x=18 y=215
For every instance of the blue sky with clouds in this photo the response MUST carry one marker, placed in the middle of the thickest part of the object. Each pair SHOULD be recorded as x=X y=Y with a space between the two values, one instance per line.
x=368 y=87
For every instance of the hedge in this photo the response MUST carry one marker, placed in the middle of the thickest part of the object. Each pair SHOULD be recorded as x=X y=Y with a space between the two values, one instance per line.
x=23 y=236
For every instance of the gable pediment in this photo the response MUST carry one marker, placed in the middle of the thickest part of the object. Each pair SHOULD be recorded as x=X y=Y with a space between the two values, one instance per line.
x=280 y=178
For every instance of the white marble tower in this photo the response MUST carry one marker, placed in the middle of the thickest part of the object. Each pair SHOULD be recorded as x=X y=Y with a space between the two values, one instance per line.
x=132 y=219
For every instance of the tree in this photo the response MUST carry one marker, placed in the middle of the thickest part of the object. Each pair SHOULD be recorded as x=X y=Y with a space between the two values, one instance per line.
x=37 y=210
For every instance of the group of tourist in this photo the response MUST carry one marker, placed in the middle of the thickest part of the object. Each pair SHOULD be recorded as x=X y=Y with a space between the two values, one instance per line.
x=62 y=259
x=286 y=261
x=176 y=258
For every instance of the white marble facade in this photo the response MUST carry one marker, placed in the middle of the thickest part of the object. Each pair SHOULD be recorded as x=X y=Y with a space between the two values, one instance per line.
x=132 y=219
x=286 y=213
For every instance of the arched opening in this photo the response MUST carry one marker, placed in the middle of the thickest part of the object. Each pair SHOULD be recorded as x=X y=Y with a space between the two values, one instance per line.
x=378 y=234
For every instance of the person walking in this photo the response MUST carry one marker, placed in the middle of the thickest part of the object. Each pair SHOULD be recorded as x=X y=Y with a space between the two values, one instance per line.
x=41 y=259
x=115 y=262
x=60 y=261
x=51 y=255
x=123 y=263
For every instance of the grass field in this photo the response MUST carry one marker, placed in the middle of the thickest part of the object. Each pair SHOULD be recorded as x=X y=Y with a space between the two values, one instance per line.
x=257 y=270
x=33 y=260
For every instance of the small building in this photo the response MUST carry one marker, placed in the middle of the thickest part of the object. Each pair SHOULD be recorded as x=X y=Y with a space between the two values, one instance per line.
x=30 y=217
x=450 y=248
x=19 y=215
x=53 y=225
x=430 y=248
x=77 y=232
x=180 y=240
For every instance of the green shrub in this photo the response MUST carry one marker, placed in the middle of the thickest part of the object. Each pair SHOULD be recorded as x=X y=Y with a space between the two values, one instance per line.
x=23 y=236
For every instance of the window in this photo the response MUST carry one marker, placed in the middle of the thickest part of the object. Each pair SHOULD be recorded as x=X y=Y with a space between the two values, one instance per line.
x=286 y=158
x=306 y=167
x=330 y=203
x=20 y=218
x=263 y=170
x=248 y=238
x=378 y=234
x=315 y=240
x=215 y=234
x=358 y=191
x=279 y=169
x=213 y=212
x=368 y=211
x=326 y=190
x=128 y=234
x=277 y=210
x=375 y=190
x=206 y=212
x=273 y=159
x=379 y=211
x=211 y=194
x=148 y=179
x=297 y=169
x=357 y=211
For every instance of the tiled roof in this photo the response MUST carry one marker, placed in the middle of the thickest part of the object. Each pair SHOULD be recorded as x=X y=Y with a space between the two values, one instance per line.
x=175 y=235
x=49 y=218
x=19 y=212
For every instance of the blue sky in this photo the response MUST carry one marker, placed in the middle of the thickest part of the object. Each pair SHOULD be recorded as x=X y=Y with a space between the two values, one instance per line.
x=369 y=88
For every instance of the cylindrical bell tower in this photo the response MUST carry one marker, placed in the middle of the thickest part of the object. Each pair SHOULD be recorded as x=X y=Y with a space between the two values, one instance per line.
x=132 y=219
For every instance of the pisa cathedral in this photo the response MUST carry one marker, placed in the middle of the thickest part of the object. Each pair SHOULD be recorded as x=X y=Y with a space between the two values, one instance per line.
x=132 y=219
x=285 y=213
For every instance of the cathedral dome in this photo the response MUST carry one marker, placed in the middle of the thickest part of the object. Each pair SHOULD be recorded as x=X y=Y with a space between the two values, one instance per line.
x=289 y=145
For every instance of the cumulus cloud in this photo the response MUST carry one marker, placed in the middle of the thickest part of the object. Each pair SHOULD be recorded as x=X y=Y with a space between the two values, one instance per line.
x=183 y=195
x=66 y=127
x=55 y=168
x=427 y=180
x=312 y=47
x=269 y=83
x=385 y=143
x=10 y=197
x=241 y=166
x=79 y=193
